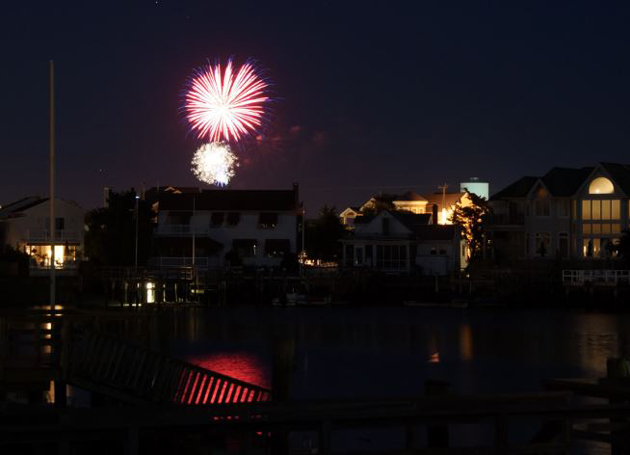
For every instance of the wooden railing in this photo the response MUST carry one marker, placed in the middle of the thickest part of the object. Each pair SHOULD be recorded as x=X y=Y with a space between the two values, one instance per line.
x=136 y=375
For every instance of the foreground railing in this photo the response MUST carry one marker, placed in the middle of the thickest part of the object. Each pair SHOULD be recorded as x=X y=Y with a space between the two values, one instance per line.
x=136 y=374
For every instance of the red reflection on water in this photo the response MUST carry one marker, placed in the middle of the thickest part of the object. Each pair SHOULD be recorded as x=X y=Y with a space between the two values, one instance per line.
x=238 y=365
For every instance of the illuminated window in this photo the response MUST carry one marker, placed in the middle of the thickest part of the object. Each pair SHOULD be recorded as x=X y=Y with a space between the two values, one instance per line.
x=616 y=205
x=586 y=210
x=596 y=210
x=605 y=210
x=616 y=228
x=586 y=229
x=590 y=248
x=601 y=185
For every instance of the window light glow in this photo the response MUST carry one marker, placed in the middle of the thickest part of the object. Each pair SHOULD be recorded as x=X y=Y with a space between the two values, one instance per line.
x=601 y=185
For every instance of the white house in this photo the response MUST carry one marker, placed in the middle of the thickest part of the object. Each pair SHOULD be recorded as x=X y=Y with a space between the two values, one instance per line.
x=567 y=213
x=209 y=227
x=399 y=242
x=25 y=226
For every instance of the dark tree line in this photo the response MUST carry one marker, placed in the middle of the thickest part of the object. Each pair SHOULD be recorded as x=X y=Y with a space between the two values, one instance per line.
x=111 y=231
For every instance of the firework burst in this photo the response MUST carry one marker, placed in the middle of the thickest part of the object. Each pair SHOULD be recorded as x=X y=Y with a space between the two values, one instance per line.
x=226 y=104
x=214 y=163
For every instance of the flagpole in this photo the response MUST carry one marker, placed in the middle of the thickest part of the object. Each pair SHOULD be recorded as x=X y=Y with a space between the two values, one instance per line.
x=51 y=201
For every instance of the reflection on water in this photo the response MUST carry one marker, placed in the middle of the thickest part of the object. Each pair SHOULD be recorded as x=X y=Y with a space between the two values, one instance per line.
x=238 y=365
x=372 y=352
x=385 y=352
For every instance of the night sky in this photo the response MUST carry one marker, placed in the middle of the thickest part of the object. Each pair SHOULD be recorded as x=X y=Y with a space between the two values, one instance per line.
x=369 y=96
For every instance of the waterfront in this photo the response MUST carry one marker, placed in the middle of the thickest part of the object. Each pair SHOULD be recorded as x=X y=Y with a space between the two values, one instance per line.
x=391 y=352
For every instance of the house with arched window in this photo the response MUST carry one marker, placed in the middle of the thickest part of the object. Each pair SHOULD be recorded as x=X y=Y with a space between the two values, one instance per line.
x=565 y=214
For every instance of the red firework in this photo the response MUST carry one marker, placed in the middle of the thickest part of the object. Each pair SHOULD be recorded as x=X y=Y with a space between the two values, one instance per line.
x=226 y=105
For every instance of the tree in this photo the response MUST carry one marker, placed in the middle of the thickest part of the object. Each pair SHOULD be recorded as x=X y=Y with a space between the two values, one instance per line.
x=111 y=231
x=323 y=235
x=471 y=218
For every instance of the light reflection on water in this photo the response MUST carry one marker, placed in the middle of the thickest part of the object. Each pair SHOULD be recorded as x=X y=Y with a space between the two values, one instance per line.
x=383 y=352
x=238 y=365
x=342 y=352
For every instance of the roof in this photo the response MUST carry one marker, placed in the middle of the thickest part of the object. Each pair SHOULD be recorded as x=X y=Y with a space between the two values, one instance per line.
x=564 y=182
x=520 y=188
x=231 y=200
x=436 y=232
x=449 y=198
x=412 y=220
x=620 y=173
x=408 y=196
x=10 y=210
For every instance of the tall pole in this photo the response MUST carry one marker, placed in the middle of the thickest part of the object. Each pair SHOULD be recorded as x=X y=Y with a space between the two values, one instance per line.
x=136 y=245
x=443 y=211
x=192 y=226
x=51 y=201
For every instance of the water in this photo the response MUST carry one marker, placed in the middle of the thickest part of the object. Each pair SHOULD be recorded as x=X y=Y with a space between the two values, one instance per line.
x=391 y=352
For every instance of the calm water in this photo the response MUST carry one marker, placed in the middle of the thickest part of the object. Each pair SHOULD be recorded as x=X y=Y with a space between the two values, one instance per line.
x=384 y=352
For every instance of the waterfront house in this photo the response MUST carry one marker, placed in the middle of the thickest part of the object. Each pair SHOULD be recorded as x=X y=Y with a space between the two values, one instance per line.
x=213 y=228
x=25 y=226
x=565 y=214
x=402 y=242
x=440 y=205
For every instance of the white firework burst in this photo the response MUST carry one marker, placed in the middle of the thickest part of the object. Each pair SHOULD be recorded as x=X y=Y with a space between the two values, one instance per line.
x=214 y=163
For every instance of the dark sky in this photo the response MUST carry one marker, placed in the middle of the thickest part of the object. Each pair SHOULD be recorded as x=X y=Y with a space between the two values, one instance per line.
x=370 y=96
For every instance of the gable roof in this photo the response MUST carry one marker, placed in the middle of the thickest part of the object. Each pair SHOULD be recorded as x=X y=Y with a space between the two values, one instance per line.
x=226 y=200
x=12 y=209
x=520 y=188
x=564 y=182
x=620 y=173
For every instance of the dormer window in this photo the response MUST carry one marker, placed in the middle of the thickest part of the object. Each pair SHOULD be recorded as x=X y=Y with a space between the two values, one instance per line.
x=601 y=185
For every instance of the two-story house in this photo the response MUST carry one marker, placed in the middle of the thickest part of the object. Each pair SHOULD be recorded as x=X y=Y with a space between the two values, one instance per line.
x=567 y=213
x=207 y=228
x=25 y=226
x=399 y=242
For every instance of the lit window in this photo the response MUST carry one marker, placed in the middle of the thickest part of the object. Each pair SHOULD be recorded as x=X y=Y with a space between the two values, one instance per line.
x=616 y=205
x=586 y=210
x=601 y=185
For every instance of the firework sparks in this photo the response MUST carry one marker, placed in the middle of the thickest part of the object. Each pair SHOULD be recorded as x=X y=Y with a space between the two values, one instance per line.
x=226 y=105
x=214 y=163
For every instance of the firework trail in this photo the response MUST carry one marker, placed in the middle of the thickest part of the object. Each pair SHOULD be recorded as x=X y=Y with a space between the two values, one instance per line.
x=226 y=104
x=214 y=163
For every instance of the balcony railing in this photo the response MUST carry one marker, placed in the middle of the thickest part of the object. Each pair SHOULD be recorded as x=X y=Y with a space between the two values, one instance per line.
x=581 y=277
x=180 y=230
x=61 y=235
x=182 y=261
